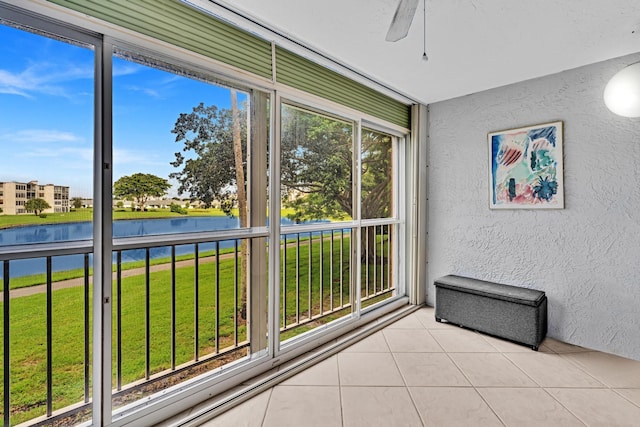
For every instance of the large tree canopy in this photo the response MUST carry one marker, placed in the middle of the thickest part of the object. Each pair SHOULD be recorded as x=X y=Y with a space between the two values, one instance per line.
x=140 y=187
x=377 y=179
x=317 y=163
x=214 y=164
x=317 y=170
x=316 y=166
x=207 y=158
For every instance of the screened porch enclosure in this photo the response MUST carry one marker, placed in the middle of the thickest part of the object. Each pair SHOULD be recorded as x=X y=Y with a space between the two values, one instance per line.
x=280 y=218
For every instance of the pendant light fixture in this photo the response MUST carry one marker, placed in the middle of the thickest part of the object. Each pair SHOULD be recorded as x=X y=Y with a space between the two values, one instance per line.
x=622 y=93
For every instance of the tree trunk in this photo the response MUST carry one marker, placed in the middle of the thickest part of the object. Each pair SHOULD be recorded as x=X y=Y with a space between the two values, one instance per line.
x=368 y=244
x=242 y=200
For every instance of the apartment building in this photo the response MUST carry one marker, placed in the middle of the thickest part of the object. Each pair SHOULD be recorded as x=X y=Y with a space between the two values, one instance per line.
x=14 y=196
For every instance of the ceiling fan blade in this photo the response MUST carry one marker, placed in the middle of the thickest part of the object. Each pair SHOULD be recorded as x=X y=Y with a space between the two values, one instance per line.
x=401 y=21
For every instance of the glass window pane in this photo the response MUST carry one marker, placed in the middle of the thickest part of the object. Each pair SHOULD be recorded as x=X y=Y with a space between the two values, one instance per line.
x=316 y=166
x=181 y=166
x=376 y=245
x=377 y=174
x=316 y=186
x=46 y=137
x=46 y=186
x=180 y=150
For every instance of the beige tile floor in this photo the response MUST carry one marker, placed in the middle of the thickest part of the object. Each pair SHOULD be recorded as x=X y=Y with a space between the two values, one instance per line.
x=417 y=372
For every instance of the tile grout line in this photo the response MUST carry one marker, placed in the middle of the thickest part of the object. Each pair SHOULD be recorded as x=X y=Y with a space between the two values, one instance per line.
x=505 y=355
x=504 y=423
x=266 y=408
x=605 y=386
x=406 y=387
x=473 y=386
x=565 y=356
x=561 y=404
x=616 y=391
x=340 y=388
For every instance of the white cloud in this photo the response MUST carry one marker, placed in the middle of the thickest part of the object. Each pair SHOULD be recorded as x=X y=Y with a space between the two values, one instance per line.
x=125 y=69
x=41 y=135
x=138 y=157
x=44 y=78
x=12 y=84
x=127 y=162
x=70 y=154
x=147 y=91
x=17 y=177
x=172 y=78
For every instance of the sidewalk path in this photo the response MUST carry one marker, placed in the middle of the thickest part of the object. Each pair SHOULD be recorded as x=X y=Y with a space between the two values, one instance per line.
x=38 y=289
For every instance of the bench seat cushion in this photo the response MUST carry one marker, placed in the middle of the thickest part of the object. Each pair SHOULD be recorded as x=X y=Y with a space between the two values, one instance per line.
x=502 y=292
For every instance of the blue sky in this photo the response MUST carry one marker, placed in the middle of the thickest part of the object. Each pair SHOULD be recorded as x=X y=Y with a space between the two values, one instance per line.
x=47 y=113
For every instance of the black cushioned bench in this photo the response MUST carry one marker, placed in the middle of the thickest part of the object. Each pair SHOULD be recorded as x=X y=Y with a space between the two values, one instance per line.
x=517 y=314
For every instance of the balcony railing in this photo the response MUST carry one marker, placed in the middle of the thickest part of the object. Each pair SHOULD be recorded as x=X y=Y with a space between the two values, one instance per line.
x=318 y=271
x=178 y=310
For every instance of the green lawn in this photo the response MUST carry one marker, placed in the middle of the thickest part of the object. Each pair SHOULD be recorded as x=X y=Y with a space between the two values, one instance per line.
x=28 y=334
x=28 y=324
x=39 y=279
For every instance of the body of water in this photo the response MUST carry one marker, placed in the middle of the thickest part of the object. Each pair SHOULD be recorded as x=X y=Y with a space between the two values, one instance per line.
x=125 y=228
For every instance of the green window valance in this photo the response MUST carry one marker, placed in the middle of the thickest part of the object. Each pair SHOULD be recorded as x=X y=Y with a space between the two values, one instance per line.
x=178 y=24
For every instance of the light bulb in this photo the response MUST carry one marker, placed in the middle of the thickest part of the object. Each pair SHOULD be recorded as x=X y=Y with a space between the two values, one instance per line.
x=622 y=93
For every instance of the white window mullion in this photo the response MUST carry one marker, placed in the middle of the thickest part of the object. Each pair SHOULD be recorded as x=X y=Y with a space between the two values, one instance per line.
x=274 y=226
x=401 y=202
x=102 y=239
x=357 y=216
x=257 y=304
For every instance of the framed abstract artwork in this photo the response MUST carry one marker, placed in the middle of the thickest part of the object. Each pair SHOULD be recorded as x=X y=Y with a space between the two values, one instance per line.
x=525 y=168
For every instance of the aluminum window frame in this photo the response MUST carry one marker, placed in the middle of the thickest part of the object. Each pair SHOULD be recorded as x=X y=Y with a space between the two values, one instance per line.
x=311 y=104
x=162 y=404
x=170 y=401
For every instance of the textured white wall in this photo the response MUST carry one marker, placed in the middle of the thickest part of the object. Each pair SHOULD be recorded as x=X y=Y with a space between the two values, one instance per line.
x=585 y=257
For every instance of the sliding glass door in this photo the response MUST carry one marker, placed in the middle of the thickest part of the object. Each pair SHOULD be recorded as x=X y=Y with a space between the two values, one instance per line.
x=338 y=187
x=167 y=229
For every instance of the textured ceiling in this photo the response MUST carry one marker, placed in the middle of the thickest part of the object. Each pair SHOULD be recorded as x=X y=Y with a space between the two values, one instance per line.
x=472 y=45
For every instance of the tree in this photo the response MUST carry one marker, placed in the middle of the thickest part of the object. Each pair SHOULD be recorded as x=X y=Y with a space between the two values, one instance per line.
x=76 y=202
x=214 y=142
x=241 y=196
x=316 y=166
x=36 y=205
x=376 y=174
x=140 y=187
x=376 y=185
x=208 y=165
x=317 y=171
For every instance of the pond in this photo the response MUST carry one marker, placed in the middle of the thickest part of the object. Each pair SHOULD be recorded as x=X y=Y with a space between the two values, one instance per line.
x=125 y=228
